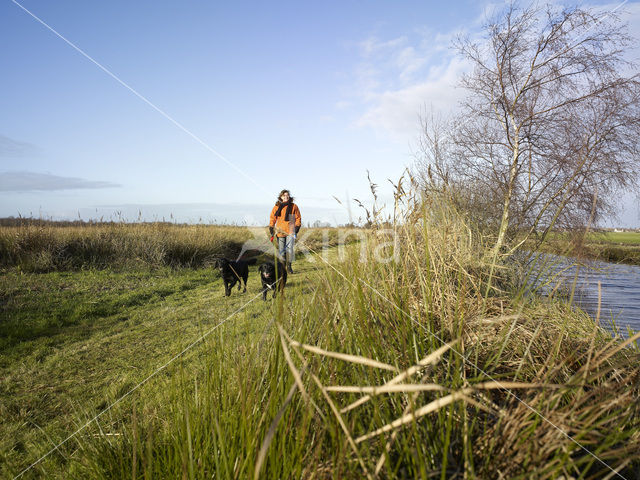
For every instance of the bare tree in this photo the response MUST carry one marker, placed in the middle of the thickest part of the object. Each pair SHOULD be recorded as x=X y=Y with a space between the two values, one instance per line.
x=550 y=128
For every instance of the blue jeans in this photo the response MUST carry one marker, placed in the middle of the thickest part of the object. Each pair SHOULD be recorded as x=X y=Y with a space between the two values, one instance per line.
x=285 y=246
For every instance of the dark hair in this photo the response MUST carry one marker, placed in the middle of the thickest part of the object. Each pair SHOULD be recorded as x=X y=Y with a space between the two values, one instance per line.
x=282 y=192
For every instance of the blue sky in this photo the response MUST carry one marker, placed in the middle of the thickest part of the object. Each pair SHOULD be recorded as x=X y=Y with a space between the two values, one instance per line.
x=300 y=95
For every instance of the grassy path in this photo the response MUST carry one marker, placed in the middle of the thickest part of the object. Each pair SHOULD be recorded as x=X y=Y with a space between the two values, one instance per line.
x=74 y=342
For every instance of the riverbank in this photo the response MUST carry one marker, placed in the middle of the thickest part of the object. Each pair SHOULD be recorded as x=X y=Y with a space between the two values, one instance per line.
x=613 y=247
x=479 y=381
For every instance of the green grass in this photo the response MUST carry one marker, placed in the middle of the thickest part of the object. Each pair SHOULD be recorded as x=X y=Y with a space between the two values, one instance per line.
x=68 y=305
x=72 y=342
x=626 y=238
x=614 y=247
x=232 y=404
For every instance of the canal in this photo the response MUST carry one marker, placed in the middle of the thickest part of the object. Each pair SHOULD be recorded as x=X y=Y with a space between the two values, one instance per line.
x=617 y=286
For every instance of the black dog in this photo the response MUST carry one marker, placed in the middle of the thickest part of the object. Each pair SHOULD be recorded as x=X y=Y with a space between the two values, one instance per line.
x=272 y=278
x=233 y=272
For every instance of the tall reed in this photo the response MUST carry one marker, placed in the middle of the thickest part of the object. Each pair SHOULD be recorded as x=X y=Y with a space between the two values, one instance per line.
x=48 y=246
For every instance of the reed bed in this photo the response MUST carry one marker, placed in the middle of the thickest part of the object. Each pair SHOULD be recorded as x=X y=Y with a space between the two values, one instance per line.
x=399 y=361
x=47 y=246
x=41 y=246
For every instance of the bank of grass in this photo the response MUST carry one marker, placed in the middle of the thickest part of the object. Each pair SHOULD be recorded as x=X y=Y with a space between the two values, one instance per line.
x=268 y=394
x=614 y=247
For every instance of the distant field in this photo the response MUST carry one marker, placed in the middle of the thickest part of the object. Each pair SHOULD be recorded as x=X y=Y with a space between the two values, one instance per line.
x=615 y=247
x=627 y=238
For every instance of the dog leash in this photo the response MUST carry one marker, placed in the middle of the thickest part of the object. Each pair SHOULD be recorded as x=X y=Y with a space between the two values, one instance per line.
x=234 y=272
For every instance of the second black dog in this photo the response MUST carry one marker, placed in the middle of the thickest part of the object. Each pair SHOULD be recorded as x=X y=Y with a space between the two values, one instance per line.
x=233 y=272
x=272 y=278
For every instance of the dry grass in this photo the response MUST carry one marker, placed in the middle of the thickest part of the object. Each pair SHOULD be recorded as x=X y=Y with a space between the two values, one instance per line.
x=42 y=246
x=49 y=247
x=522 y=388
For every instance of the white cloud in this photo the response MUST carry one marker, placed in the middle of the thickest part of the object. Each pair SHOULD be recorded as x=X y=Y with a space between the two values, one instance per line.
x=367 y=81
x=409 y=62
x=397 y=79
x=326 y=119
x=30 y=181
x=372 y=46
x=631 y=14
x=384 y=63
x=343 y=104
x=396 y=112
x=15 y=149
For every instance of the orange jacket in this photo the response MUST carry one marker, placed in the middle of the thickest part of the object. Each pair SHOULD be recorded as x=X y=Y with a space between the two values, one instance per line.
x=285 y=226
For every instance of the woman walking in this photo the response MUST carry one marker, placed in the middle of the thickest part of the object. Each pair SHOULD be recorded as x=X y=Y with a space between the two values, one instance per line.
x=285 y=222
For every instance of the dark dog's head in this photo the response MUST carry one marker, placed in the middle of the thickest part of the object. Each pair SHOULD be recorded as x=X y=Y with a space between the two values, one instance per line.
x=222 y=264
x=267 y=271
x=270 y=272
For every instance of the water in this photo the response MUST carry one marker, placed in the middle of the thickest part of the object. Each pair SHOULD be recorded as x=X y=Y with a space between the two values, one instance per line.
x=619 y=289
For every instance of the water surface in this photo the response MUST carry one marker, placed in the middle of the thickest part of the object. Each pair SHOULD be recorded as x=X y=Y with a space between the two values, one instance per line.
x=619 y=289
